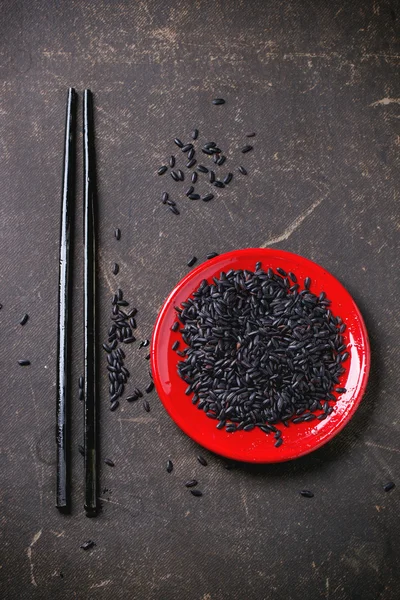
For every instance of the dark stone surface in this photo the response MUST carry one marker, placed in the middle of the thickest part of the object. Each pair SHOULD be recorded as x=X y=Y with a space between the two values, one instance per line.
x=318 y=82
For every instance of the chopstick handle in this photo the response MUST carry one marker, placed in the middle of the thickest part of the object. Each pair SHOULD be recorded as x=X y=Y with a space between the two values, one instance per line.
x=64 y=307
x=90 y=397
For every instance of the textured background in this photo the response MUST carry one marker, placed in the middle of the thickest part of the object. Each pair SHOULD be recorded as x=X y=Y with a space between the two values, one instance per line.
x=319 y=83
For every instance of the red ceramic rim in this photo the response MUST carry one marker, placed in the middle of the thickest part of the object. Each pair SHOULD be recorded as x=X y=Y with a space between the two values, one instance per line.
x=256 y=446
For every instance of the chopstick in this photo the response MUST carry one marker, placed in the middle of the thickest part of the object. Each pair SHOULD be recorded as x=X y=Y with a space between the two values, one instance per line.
x=90 y=398
x=64 y=303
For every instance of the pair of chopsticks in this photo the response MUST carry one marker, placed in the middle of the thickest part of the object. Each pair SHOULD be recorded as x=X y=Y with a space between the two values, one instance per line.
x=63 y=491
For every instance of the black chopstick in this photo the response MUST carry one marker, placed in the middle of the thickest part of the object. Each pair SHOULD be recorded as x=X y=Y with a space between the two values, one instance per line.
x=90 y=399
x=64 y=303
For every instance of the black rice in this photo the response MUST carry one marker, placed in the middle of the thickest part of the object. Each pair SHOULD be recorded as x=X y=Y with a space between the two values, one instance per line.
x=219 y=184
x=24 y=362
x=114 y=405
x=81 y=382
x=250 y=134
x=191 y=483
x=132 y=398
x=242 y=170
x=175 y=326
x=191 y=163
x=109 y=462
x=187 y=147
x=194 y=196
x=190 y=263
x=218 y=101
x=389 y=486
x=174 y=176
x=194 y=177
x=81 y=450
x=306 y=494
x=208 y=197
x=172 y=161
x=144 y=344
x=174 y=210
x=115 y=269
x=170 y=466
x=164 y=197
x=228 y=178
x=146 y=406
x=247 y=149
x=149 y=388
x=196 y=493
x=202 y=460
x=259 y=351
x=162 y=170
x=87 y=545
x=181 y=175
x=189 y=191
x=202 y=169
x=175 y=345
x=117 y=234
x=195 y=134
x=211 y=255
x=24 y=319
x=178 y=142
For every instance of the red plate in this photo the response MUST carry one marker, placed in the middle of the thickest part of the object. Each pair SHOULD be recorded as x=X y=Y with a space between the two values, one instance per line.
x=256 y=446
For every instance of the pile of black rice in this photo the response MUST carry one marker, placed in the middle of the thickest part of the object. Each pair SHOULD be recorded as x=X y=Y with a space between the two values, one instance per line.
x=211 y=151
x=260 y=351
